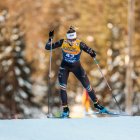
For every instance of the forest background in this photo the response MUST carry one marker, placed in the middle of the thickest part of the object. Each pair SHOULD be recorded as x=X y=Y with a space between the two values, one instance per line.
x=111 y=28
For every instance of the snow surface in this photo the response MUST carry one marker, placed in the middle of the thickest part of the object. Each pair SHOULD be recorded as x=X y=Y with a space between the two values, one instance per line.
x=108 y=128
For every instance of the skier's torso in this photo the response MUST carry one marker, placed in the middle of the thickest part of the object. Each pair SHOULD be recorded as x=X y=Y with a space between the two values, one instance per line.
x=71 y=53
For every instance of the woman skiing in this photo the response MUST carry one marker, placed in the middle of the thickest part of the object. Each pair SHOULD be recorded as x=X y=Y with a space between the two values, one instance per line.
x=71 y=51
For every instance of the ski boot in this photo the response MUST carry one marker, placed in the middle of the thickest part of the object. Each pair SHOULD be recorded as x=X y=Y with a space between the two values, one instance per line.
x=100 y=108
x=65 y=113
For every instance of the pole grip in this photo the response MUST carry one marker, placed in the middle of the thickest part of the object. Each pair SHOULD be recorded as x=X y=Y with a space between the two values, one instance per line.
x=96 y=62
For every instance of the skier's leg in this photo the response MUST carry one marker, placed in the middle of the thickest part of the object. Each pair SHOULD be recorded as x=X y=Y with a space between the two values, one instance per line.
x=82 y=77
x=62 y=77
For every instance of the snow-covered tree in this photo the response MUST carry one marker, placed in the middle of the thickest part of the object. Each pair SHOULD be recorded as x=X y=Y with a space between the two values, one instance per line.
x=15 y=84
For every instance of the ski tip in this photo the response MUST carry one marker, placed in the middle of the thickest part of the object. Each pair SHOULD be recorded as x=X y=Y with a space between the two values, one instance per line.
x=111 y=113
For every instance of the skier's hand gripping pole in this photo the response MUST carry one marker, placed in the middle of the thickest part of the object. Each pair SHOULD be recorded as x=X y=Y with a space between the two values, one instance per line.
x=96 y=62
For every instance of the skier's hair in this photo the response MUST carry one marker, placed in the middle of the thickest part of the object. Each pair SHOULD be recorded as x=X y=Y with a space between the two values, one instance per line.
x=71 y=30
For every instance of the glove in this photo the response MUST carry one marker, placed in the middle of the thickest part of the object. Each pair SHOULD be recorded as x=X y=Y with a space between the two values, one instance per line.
x=92 y=53
x=51 y=34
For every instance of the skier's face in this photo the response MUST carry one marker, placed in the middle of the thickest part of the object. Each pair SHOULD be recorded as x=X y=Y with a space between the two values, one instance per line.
x=71 y=41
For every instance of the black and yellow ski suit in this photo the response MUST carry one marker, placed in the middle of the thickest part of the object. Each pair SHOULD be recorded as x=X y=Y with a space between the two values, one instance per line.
x=71 y=63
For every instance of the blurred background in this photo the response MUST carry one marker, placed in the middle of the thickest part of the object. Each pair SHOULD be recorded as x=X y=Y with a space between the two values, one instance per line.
x=111 y=28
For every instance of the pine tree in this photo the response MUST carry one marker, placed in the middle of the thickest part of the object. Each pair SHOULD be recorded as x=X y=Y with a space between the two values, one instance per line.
x=15 y=83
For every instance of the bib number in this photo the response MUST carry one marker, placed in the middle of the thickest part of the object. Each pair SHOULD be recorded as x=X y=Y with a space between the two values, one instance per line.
x=70 y=55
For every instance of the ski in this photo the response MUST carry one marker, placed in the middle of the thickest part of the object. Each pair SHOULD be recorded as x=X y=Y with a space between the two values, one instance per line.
x=110 y=113
x=57 y=117
x=60 y=118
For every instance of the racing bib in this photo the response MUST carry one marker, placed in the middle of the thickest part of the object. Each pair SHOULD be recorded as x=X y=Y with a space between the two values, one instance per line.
x=71 y=53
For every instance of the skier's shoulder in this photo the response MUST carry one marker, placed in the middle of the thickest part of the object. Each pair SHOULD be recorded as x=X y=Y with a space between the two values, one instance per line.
x=59 y=42
x=65 y=40
x=78 y=40
x=82 y=44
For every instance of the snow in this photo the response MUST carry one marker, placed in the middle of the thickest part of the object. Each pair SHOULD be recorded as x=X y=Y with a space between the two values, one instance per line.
x=107 y=128
x=20 y=81
x=14 y=37
x=21 y=61
x=8 y=49
x=17 y=71
x=23 y=94
x=26 y=69
x=9 y=88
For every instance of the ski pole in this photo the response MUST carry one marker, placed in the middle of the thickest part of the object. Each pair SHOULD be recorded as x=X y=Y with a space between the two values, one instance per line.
x=96 y=62
x=50 y=66
x=50 y=69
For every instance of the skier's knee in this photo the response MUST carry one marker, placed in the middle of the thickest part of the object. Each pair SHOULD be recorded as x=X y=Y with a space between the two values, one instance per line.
x=84 y=75
x=61 y=72
x=88 y=88
x=62 y=86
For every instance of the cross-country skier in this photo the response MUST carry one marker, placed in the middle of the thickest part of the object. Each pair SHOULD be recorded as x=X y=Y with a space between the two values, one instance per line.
x=71 y=51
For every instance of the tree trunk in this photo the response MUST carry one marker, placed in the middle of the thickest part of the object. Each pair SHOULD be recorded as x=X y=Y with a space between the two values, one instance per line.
x=129 y=63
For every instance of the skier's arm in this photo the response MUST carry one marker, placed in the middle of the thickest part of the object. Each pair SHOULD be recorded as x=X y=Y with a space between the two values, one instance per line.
x=54 y=45
x=87 y=49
